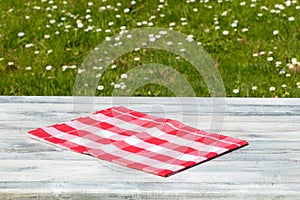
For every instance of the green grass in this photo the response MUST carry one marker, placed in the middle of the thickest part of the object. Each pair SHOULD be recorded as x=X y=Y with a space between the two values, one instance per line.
x=234 y=54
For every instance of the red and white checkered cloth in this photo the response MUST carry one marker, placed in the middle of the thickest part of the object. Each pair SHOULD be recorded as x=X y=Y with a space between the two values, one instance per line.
x=140 y=141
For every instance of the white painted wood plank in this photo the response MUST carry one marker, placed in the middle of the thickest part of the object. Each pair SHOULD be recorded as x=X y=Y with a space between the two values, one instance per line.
x=148 y=100
x=109 y=190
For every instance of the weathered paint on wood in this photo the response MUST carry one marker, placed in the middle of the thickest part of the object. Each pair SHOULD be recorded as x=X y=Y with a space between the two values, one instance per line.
x=268 y=168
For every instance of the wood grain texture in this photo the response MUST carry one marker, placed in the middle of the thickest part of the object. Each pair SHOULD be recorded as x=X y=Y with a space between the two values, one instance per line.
x=268 y=168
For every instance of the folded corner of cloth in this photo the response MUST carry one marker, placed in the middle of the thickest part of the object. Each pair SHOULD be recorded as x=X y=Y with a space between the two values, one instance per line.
x=160 y=146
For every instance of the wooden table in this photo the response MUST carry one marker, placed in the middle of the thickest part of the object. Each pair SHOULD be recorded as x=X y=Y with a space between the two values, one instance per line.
x=268 y=168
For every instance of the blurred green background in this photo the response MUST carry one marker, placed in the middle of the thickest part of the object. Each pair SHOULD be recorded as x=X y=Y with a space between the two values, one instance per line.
x=255 y=44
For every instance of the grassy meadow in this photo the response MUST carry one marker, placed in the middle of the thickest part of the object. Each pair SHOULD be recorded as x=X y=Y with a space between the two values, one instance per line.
x=255 y=44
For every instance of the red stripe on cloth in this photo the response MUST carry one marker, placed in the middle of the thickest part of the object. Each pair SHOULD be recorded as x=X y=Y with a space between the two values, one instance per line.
x=60 y=142
x=160 y=157
x=162 y=143
x=82 y=133
x=82 y=149
x=153 y=140
x=128 y=163
x=215 y=140
x=165 y=173
x=127 y=147
x=40 y=133
x=175 y=123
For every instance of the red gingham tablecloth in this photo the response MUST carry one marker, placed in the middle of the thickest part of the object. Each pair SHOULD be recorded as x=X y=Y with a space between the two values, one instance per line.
x=137 y=140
